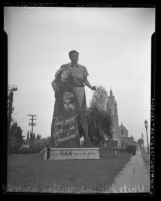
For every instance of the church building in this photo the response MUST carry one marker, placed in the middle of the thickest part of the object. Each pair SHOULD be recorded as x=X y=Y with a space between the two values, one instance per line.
x=119 y=132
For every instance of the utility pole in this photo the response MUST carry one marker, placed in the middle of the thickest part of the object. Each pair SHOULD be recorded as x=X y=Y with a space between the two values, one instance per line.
x=32 y=124
x=10 y=103
x=142 y=139
x=146 y=127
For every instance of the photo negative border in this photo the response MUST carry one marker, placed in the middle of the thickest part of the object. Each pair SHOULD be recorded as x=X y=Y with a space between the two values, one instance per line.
x=153 y=87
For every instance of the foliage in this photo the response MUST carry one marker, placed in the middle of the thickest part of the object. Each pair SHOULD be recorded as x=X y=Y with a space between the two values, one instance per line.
x=15 y=139
x=99 y=123
x=99 y=98
x=131 y=149
x=132 y=138
x=36 y=146
x=140 y=142
x=38 y=136
x=99 y=120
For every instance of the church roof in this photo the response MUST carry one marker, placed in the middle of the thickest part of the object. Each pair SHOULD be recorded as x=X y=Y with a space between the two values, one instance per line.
x=122 y=126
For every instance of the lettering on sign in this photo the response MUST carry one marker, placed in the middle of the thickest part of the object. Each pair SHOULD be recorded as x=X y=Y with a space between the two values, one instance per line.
x=74 y=154
x=65 y=129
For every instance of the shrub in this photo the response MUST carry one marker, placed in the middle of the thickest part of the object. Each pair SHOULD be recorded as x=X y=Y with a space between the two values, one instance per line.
x=131 y=149
x=99 y=123
x=24 y=151
x=35 y=147
x=30 y=150
x=121 y=150
x=15 y=139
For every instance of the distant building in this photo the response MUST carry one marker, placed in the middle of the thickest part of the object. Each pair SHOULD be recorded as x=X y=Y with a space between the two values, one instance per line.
x=111 y=107
x=119 y=132
x=123 y=131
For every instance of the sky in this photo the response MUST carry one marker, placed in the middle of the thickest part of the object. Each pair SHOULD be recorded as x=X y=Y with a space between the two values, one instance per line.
x=114 y=44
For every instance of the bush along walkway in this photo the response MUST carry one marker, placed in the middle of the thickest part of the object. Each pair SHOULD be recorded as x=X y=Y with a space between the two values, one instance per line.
x=134 y=178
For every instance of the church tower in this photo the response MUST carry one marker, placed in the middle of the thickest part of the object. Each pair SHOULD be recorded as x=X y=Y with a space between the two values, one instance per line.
x=112 y=109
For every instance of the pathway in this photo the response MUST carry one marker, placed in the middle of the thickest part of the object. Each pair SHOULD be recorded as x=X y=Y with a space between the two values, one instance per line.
x=133 y=178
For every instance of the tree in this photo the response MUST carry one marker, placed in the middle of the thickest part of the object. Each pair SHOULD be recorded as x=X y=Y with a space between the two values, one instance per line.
x=10 y=108
x=99 y=120
x=132 y=138
x=15 y=138
x=140 y=142
x=100 y=124
x=38 y=137
x=99 y=99
x=28 y=136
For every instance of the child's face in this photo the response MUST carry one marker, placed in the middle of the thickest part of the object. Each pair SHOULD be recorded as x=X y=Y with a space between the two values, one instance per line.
x=64 y=75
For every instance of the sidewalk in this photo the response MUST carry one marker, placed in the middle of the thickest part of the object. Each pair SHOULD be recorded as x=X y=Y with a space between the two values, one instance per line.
x=133 y=178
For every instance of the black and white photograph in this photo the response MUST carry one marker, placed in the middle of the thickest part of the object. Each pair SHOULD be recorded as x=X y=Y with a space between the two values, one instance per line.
x=79 y=99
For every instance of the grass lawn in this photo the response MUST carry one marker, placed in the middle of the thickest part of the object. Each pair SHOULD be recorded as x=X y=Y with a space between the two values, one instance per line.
x=146 y=159
x=27 y=172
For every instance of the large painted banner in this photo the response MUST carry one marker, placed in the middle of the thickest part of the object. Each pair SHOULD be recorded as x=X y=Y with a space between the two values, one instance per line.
x=65 y=131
